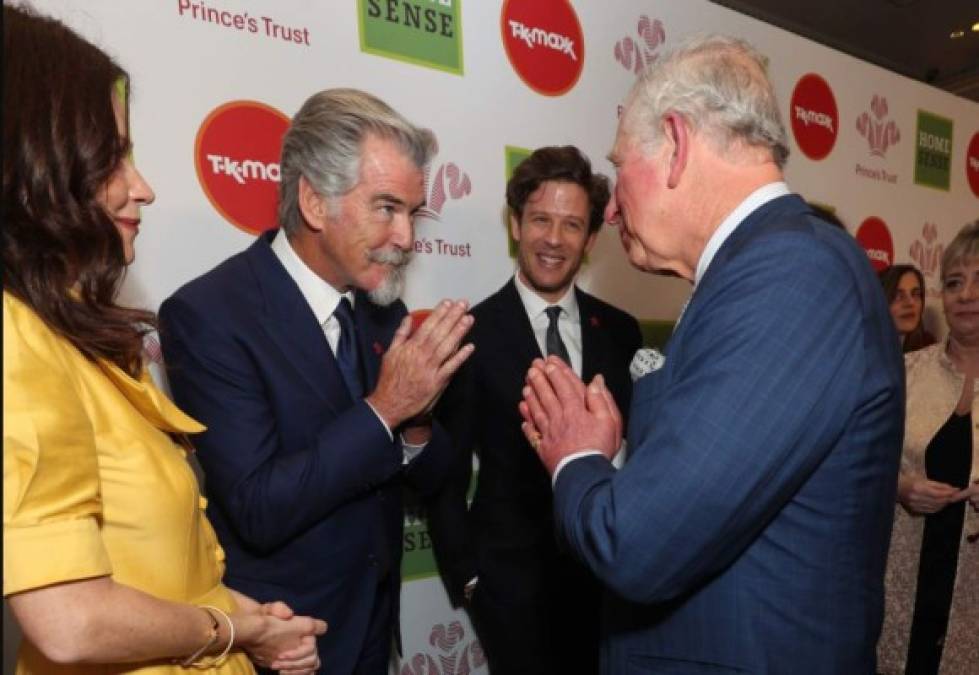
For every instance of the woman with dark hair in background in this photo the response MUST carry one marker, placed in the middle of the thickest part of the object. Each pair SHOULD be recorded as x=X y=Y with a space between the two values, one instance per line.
x=904 y=287
x=931 y=619
x=108 y=558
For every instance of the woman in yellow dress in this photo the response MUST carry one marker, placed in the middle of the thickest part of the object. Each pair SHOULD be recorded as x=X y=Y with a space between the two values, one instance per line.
x=109 y=564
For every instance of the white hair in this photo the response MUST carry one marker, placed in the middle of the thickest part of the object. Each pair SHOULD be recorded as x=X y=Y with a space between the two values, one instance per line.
x=324 y=142
x=719 y=86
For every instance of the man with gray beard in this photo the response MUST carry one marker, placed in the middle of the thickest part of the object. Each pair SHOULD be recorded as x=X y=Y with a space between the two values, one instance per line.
x=299 y=358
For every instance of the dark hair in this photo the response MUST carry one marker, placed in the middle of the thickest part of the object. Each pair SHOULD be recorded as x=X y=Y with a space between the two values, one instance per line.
x=563 y=164
x=62 y=254
x=890 y=278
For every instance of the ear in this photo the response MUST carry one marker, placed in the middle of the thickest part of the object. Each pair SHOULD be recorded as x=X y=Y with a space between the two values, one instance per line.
x=592 y=238
x=514 y=226
x=312 y=205
x=677 y=135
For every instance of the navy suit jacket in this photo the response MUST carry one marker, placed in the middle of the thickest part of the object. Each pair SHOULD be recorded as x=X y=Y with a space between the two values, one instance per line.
x=748 y=530
x=304 y=483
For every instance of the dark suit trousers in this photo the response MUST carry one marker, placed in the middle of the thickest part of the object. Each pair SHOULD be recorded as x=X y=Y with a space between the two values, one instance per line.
x=554 y=631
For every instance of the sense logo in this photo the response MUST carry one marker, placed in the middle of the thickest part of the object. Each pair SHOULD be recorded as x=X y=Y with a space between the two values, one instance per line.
x=424 y=32
x=875 y=238
x=544 y=43
x=636 y=54
x=815 y=119
x=933 y=151
x=236 y=154
x=972 y=164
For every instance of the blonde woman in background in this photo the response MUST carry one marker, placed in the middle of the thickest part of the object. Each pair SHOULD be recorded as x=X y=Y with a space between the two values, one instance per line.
x=931 y=622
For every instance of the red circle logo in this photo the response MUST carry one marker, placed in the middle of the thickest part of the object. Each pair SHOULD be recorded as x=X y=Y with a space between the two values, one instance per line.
x=876 y=240
x=236 y=154
x=815 y=119
x=972 y=164
x=544 y=43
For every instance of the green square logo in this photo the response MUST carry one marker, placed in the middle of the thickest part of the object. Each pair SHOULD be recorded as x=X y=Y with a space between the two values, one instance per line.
x=933 y=151
x=418 y=557
x=514 y=156
x=424 y=32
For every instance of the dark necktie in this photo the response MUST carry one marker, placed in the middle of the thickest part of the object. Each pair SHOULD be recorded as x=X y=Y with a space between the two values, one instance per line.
x=553 y=341
x=347 y=353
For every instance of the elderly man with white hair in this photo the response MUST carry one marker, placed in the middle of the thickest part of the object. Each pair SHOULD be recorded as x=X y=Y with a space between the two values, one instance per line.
x=747 y=531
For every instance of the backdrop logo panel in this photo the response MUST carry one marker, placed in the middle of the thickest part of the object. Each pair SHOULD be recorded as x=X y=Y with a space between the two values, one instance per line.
x=236 y=155
x=875 y=238
x=544 y=42
x=450 y=184
x=452 y=654
x=927 y=251
x=972 y=164
x=881 y=134
x=815 y=118
x=424 y=32
x=933 y=152
x=636 y=53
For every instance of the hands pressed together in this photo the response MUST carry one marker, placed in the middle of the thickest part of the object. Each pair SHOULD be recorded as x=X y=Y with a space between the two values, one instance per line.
x=275 y=638
x=418 y=365
x=563 y=416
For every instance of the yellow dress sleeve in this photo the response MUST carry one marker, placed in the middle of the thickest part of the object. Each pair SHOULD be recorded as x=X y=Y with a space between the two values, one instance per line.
x=51 y=501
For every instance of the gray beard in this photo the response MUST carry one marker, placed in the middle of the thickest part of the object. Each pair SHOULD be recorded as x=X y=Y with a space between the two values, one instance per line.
x=394 y=283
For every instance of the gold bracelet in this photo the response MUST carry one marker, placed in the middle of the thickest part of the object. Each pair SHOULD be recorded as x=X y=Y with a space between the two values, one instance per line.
x=220 y=658
x=212 y=638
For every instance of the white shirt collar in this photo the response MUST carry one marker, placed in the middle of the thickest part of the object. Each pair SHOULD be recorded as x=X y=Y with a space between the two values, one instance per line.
x=756 y=199
x=535 y=305
x=321 y=296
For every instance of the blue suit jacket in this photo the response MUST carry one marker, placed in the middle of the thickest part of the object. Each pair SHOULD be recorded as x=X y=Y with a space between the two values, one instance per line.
x=304 y=483
x=748 y=530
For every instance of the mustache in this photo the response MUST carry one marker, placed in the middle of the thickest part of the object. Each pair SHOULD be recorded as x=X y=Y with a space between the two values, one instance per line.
x=395 y=257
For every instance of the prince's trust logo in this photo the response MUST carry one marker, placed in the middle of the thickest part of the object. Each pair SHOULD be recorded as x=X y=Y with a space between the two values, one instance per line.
x=636 y=54
x=881 y=134
x=450 y=183
x=454 y=653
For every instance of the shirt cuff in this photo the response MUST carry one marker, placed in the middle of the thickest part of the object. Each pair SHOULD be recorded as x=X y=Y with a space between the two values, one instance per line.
x=410 y=450
x=570 y=458
x=381 y=419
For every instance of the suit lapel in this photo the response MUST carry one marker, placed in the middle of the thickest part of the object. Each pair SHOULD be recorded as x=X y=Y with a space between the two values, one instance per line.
x=592 y=337
x=513 y=325
x=291 y=324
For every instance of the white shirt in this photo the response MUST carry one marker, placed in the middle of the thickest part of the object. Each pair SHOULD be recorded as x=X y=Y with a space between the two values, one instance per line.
x=323 y=300
x=568 y=323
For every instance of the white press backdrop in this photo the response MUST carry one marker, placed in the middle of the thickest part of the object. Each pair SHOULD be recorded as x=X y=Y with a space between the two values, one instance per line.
x=184 y=67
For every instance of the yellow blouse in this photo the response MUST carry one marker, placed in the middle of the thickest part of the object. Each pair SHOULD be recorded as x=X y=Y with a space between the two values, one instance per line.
x=93 y=484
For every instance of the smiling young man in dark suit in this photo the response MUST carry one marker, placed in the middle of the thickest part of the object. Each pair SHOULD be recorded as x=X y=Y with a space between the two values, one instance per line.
x=535 y=609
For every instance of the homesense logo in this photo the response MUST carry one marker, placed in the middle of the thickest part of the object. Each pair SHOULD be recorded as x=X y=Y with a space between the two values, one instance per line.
x=933 y=151
x=423 y=32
